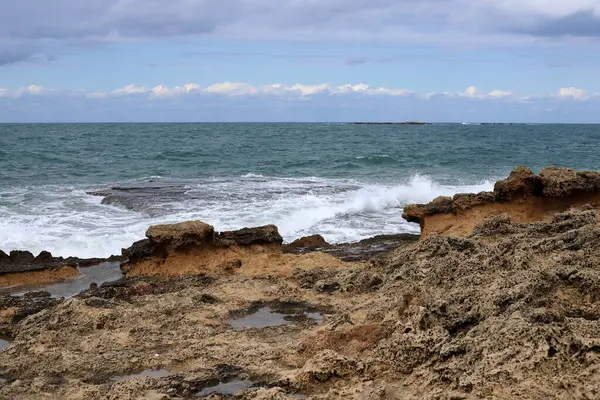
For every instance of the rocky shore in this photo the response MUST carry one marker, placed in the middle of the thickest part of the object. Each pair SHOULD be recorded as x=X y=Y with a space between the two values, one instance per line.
x=498 y=299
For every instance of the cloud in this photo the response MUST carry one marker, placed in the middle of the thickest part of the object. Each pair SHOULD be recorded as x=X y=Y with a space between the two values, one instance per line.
x=129 y=89
x=238 y=101
x=297 y=90
x=581 y=23
x=573 y=93
x=41 y=28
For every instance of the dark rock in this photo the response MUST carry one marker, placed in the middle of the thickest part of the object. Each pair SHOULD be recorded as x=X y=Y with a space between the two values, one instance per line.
x=263 y=235
x=366 y=249
x=416 y=212
x=565 y=182
x=140 y=250
x=21 y=257
x=23 y=261
x=306 y=244
x=44 y=256
x=231 y=265
x=521 y=182
x=462 y=202
x=23 y=306
x=180 y=236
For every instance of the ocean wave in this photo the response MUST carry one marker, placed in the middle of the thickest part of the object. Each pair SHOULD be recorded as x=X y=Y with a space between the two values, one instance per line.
x=70 y=222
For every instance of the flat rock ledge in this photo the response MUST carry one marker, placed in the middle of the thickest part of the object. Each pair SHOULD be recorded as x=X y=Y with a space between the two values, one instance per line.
x=186 y=247
x=524 y=196
x=23 y=268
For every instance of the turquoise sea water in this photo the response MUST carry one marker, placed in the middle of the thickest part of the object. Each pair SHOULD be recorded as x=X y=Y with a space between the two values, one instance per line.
x=344 y=181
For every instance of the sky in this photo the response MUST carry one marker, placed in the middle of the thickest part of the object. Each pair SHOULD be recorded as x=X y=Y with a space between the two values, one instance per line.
x=300 y=60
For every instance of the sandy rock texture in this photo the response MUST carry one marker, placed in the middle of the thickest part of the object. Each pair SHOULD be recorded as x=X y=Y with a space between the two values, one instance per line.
x=524 y=196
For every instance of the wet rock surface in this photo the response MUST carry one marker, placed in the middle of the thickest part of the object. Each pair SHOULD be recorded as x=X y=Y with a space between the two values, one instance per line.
x=87 y=276
x=359 y=251
x=15 y=309
x=262 y=315
x=24 y=261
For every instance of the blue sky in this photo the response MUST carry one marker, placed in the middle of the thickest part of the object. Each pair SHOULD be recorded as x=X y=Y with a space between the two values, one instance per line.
x=300 y=60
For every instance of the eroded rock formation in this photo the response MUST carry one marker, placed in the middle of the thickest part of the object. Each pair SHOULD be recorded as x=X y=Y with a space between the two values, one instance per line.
x=23 y=268
x=524 y=196
x=193 y=247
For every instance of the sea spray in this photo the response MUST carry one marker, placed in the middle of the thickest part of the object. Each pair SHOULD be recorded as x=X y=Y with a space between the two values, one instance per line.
x=69 y=221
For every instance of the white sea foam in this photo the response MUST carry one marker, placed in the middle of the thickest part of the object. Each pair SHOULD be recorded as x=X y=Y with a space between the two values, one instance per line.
x=69 y=222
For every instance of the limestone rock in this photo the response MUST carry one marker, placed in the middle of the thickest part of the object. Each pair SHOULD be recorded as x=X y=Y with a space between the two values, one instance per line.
x=180 y=235
x=564 y=182
x=305 y=244
x=524 y=196
x=521 y=182
x=417 y=212
x=462 y=202
x=262 y=235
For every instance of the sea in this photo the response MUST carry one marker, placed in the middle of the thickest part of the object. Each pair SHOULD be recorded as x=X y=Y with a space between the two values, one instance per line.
x=88 y=190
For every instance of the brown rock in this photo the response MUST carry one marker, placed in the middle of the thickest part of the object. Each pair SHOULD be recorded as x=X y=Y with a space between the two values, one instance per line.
x=521 y=182
x=462 y=202
x=44 y=256
x=417 y=212
x=262 y=235
x=306 y=243
x=21 y=257
x=138 y=251
x=181 y=235
x=565 y=182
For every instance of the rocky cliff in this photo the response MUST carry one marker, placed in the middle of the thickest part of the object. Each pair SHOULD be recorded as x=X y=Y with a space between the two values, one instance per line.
x=523 y=196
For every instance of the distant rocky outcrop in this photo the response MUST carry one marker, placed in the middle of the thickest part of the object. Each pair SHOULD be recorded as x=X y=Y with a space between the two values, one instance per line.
x=363 y=250
x=22 y=267
x=524 y=196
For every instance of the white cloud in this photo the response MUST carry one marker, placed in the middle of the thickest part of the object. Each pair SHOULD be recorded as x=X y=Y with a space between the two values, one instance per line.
x=307 y=90
x=573 y=93
x=297 y=90
x=497 y=94
x=232 y=88
x=162 y=90
x=130 y=89
x=31 y=89
x=473 y=93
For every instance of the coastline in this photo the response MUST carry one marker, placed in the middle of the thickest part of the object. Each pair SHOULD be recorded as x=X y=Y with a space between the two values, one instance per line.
x=497 y=297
